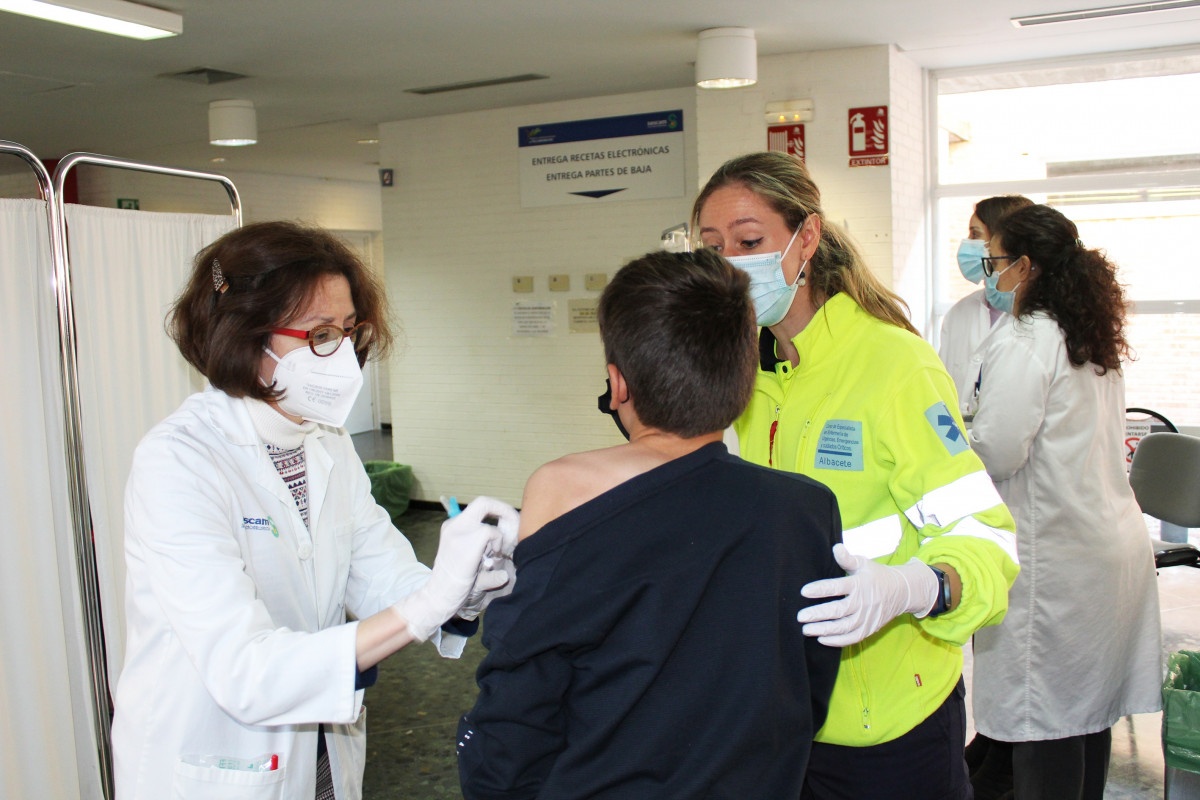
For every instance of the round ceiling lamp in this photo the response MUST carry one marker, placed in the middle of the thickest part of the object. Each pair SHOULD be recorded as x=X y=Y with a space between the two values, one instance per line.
x=726 y=58
x=232 y=123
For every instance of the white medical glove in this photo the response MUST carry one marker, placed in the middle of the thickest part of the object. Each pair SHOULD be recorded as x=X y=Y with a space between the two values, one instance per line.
x=465 y=539
x=497 y=574
x=874 y=594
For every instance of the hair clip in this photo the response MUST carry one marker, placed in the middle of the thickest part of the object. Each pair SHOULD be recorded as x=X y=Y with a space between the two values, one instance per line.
x=219 y=283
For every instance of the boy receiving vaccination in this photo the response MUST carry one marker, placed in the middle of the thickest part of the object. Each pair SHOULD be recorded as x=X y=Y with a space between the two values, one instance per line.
x=650 y=648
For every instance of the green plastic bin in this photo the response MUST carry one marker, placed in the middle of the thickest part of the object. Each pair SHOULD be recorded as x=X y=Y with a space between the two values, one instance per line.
x=1181 y=725
x=391 y=486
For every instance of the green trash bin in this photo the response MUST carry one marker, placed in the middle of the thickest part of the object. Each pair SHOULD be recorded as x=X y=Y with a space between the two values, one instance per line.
x=391 y=486
x=1181 y=725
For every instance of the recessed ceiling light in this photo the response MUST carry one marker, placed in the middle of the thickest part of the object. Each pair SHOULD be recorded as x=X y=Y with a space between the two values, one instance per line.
x=368 y=141
x=1100 y=13
x=219 y=160
x=457 y=87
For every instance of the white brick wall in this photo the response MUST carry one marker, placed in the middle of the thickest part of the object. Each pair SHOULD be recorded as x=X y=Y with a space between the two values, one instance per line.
x=339 y=205
x=474 y=409
x=909 y=191
x=836 y=81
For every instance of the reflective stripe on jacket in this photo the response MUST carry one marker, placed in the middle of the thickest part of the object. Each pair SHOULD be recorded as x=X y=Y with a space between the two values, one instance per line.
x=870 y=412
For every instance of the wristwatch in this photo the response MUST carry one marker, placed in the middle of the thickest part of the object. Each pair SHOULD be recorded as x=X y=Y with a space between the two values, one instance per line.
x=942 y=605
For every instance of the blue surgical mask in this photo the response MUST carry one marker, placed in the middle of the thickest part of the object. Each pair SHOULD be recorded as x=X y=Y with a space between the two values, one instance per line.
x=771 y=293
x=970 y=259
x=1002 y=301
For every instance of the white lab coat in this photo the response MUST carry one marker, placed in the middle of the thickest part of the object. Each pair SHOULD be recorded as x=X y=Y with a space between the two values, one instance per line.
x=237 y=645
x=964 y=328
x=1080 y=646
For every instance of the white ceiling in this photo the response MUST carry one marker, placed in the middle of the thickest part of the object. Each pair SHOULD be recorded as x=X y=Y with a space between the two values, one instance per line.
x=324 y=73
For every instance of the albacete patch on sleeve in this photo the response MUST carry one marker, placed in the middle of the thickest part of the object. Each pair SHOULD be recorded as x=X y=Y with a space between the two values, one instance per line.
x=943 y=424
x=840 y=446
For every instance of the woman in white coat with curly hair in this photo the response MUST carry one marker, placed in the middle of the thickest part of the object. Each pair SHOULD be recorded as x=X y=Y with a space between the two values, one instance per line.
x=1080 y=646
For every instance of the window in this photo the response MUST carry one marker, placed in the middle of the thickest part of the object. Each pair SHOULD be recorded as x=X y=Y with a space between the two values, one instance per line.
x=1116 y=147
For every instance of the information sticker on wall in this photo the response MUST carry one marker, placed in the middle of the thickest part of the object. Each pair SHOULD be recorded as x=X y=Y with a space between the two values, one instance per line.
x=868 y=130
x=786 y=139
x=533 y=318
x=582 y=315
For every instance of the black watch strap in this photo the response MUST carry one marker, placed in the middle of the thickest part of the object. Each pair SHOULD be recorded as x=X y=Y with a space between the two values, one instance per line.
x=942 y=604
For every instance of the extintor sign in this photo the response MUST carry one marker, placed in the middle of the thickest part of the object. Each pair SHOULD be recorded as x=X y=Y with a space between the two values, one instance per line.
x=786 y=139
x=868 y=130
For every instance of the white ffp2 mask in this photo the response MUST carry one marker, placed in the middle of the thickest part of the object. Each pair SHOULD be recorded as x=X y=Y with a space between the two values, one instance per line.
x=318 y=388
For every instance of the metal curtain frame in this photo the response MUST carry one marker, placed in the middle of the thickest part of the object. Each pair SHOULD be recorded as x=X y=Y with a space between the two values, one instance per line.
x=85 y=554
x=76 y=488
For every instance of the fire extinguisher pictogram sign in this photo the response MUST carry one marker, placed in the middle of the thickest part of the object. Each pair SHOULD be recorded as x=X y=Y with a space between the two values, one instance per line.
x=868 y=131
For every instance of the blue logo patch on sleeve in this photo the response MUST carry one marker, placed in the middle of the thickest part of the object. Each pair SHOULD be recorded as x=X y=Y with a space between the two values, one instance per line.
x=840 y=446
x=946 y=428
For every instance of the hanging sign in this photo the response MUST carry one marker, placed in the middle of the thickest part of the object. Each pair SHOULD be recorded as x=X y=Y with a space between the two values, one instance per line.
x=634 y=157
x=868 y=129
x=786 y=139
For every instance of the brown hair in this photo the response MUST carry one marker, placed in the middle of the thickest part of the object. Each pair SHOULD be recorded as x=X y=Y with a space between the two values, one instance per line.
x=1074 y=285
x=680 y=327
x=272 y=270
x=991 y=209
x=782 y=180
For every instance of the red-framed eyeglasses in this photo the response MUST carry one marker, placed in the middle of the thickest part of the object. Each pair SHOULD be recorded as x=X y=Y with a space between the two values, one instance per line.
x=324 y=340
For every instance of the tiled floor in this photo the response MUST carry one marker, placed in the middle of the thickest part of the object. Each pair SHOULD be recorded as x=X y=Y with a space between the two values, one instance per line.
x=414 y=708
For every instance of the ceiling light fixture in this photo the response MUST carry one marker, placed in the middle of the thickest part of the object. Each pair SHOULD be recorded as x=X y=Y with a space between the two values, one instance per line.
x=232 y=123
x=1100 y=13
x=107 y=16
x=726 y=58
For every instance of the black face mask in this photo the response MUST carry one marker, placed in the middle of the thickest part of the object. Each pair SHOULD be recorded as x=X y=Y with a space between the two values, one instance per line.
x=604 y=403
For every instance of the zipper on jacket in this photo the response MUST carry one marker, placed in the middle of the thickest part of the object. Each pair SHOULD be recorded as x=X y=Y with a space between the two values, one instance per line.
x=771 y=441
x=860 y=675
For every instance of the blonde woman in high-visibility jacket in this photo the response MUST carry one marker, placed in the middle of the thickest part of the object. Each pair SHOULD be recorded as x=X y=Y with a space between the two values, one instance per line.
x=848 y=394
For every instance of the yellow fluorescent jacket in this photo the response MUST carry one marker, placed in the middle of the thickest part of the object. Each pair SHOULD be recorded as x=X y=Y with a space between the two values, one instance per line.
x=871 y=412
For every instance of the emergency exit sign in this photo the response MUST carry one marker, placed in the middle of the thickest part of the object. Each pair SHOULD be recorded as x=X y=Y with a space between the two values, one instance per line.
x=130 y=203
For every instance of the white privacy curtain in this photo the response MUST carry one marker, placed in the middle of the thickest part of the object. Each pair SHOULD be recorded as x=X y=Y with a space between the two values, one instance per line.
x=126 y=269
x=39 y=617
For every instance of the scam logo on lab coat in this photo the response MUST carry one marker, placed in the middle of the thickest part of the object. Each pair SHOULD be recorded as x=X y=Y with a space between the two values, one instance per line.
x=946 y=428
x=260 y=524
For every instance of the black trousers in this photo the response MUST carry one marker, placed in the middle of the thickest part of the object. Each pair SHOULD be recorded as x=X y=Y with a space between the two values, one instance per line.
x=1075 y=768
x=924 y=764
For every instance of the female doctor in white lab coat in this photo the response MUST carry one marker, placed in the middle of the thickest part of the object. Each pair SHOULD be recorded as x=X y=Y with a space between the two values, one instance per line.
x=1080 y=646
x=250 y=532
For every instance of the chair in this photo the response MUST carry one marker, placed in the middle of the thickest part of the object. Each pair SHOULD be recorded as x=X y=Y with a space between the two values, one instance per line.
x=1165 y=476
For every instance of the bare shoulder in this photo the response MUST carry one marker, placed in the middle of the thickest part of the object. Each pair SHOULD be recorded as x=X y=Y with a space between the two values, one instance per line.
x=568 y=482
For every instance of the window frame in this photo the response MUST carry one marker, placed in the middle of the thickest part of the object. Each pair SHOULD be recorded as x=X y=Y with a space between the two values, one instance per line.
x=939 y=263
